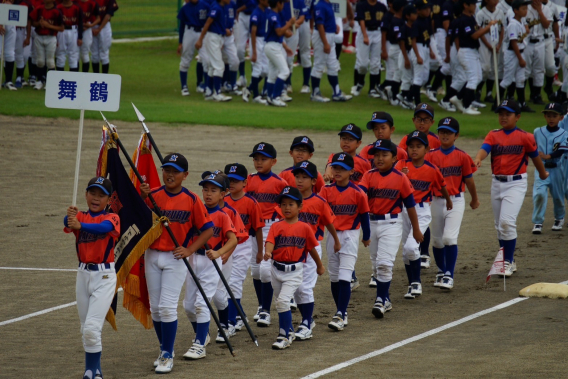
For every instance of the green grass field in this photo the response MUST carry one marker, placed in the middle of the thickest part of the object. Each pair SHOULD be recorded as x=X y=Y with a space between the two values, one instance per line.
x=143 y=18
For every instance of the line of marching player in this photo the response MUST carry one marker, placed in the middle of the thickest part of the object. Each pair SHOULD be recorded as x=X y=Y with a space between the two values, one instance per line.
x=58 y=32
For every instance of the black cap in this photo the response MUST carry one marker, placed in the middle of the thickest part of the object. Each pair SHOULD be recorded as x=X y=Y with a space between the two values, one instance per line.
x=384 y=144
x=408 y=10
x=303 y=140
x=291 y=192
x=449 y=123
x=517 y=3
x=236 y=171
x=306 y=167
x=424 y=107
x=422 y=4
x=510 y=105
x=554 y=108
x=469 y=1
x=217 y=178
x=99 y=182
x=380 y=118
x=417 y=135
x=398 y=4
x=176 y=161
x=352 y=130
x=343 y=160
x=265 y=149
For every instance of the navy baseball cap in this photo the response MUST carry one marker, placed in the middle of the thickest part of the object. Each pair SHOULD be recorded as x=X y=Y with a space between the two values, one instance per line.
x=554 y=108
x=291 y=192
x=384 y=144
x=236 y=171
x=422 y=4
x=303 y=140
x=517 y=3
x=217 y=178
x=343 y=160
x=352 y=130
x=472 y=1
x=408 y=10
x=398 y=5
x=417 y=135
x=176 y=161
x=510 y=105
x=265 y=149
x=380 y=118
x=424 y=107
x=307 y=168
x=449 y=123
x=102 y=183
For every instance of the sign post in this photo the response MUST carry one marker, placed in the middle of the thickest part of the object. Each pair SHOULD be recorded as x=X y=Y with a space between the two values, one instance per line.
x=83 y=91
x=11 y=15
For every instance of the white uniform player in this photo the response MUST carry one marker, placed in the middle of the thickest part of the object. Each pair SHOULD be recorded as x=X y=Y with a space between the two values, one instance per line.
x=242 y=35
x=8 y=48
x=550 y=35
x=538 y=19
x=514 y=73
x=292 y=41
x=304 y=45
x=259 y=60
x=102 y=36
x=90 y=18
x=68 y=41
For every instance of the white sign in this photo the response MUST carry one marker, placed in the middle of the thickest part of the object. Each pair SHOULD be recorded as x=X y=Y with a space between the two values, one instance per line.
x=339 y=7
x=494 y=32
x=81 y=90
x=16 y=15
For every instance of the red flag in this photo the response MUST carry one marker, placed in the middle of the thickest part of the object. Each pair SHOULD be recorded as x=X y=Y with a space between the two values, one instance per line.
x=498 y=267
x=144 y=162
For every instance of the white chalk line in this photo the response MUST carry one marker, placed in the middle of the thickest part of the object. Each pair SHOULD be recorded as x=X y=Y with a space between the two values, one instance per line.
x=39 y=269
x=416 y=338
x=143 y=39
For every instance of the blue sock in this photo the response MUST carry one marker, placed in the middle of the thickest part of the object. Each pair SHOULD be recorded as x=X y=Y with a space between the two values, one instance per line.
x=210 y=85
x=334 y=81
x=253 y=87
x=92 y=362
x=242 y=68
x=335 y=292
x=224 y=317
x=415 y=270
x=269 y=89
x=233 y=312
x=387 y=293
x=308 y=313
x=183 y=78
x=265 y=87
x=315 y=85
x=278 y=87
x=301 y=309
x=424 y=245
x=233 y=79
x=383 y=290
x=344 y=296
x=501 y=243
x=158 y=329
x=169 y=330
x=226 y=74
x=307 y=73
x=451 y=253
x=194 y=326
x=353 y=276
x=99 y=369
x=217 y=80
x=285 y=322
x=199 y=72
x=201 y=333
x=258 y=290
x=267 y=292
x=440 y=258
x=509 y=250
x=289 y=80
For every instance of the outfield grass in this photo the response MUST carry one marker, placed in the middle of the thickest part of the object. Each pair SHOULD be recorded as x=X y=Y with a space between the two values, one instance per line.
x=142 y=18
x=150 y=80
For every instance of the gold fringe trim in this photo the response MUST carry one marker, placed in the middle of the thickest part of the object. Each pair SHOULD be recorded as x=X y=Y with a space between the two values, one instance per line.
x=111 y=319
x=137 y=308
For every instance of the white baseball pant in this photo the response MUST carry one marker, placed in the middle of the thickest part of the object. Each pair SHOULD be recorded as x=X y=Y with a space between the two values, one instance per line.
x=487 y=66
x=411 y=248
x=469 y=62
x=440 y=37
x=292 y=43
x=260 y=67
x=305 y=293
x=265 y=267
x=164 y=276
x=94 y=291
x=417 y=74
x=100 y=47
x=85 y=48
x=323 y=60
x=304 y=43
x=514 y=72
x=213 y=44
x=67 y=48
x=285 y=285
x=230 y=53
x=193 y=303
x=368 y=57
x=506 y=201
x=190 y=37
x=385 y=240
x=33 y=48
x=549 y=64
x=456 y=70
x=8 y=43
x=45 y=49
x=445 y=225
x=277 y=66
x=393 y=73
x=534 y=56
x=436 y=62
x=22 y=52
x=340 y=265
x=241 y=258
x=242 y=34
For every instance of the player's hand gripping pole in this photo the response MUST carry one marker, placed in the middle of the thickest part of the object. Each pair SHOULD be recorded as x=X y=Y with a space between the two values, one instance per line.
x=172 y=236
x=141 y=118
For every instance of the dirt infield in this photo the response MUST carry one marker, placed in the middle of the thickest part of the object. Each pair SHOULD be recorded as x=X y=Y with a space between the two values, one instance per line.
x=38 y=155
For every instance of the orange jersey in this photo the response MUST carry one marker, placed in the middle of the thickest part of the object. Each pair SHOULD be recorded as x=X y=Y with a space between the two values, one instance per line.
x=265 y=188
x=242 y=234
x=510 y=150
x=250 y=212
x=455 y=165
x=400 y=156
x=433 y=141
x=387 y=191
x=362 y=165
x=347 y=204
x=96 y=248
x=187 y=214
x=291 y=179
x=424 y=179
x=316 y=213
x=292 y=242
x=222 y=225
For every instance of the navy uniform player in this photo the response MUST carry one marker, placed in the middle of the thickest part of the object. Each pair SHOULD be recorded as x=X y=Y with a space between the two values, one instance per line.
x=393 y=34
x=407 y=57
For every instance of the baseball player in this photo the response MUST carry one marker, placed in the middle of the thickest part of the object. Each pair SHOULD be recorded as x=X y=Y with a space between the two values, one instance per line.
x=393 y=27
x=23 y=48
x=387 y=190
x=8 y=47
x=538 y=18
x=441 y=24
x=510 y=148
x=425 y=178
x=304 y=44
x=102 y=36
x=242 y=34
x=70 y=40
x=302 y=149
x=258 y=58
x=287 y=245
x=436 y=77
x=451 y=68
x=230 y=56
x=551 y=37
x=457 y=168
x=552 y=143
x=165 y=274
x=264 y=186
x=293 y=40
x=407 y=43
x=96 y=233
x=90 y=18
x=351 y=209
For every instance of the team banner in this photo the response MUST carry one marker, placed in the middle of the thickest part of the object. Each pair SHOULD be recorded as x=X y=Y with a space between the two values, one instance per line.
x=144 y=162
x=498 y=267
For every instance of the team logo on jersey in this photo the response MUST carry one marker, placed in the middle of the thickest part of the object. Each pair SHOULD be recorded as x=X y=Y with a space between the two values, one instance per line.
x=341 y=157
x=304 y=140
x=304 y=165
x=233 y=169
x=173 y=158
x=349 y=127
x=286 y=191
x=260 y=147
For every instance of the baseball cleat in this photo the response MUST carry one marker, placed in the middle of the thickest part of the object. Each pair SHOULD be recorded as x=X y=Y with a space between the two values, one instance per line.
x=284 y=97
x=457 y=103
x=303 y=333
x=18 y=83
x=277 y=102
x=446 y=106
x=293 y=305
x=289 y=89
x=354 y=284
x=558 y=224
x=228 y=332
x=379 y=308
x=281 y=343
x=336 y=322
x=305 y=89
x=257 y=315
x=196 y=351
x=416 y=288
x=425 y=261
x=441 y=91
x=200 y=88
x=508 y=269
x=10 y=86
x=382 y=93
x=447 y=283
x=356 y=90
x=388 y=305
x=241 y=81
x=318 y=98
x=478 y=104
x=373 y=282
x=423 y=90
x=260 y=100
x=408 y=294
x=471 y=111
x=537 y=229
x=263 y=320
x=157 y=361
x=221 y=98
x=166 y=364
x=341 y=97
x=439 y=278
x=431 y=95
x=184 y=91
x=345 y=320
x=236 y=92
x=32 y=81
x=246 y=95
x=240 y=324
x=374 y=94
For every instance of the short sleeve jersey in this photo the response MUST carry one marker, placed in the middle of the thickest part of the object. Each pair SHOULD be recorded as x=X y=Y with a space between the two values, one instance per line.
x=241 y=232
x=292 y=242
x=316 y=213
x=258 y=18
x=437 y=14
x=265 y=189
x=218 y=15
x=510 y=150
x=534 y=22
x=90 y=10
x=386 y=191
x=467 y=27
x=448 y=12
x=96 y=248
x=408 y=34
x=186 y=213
x=401 y=154
x=484 y=17
x=433 y=141
x=455 y=165
x=424 y=179
x=194 y=14
x=299 y=10
x=515 y=32
x=453 y=30
x=371 y=15
x=230 y=11
x=53 y=16
x=394 y=33
x=347 y=204
x=222 y=225
x=288 y=176
x=362 y=165
x=250 y=212
x=423 y=27
x=325 y=16
x=273 y=22
x=72 y=17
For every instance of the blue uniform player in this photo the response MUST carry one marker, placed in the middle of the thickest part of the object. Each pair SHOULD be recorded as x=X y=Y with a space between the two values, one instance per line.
x=304 y=44
x=258 y=57
x=292 y=41
x=242 y=34
x=230 y=50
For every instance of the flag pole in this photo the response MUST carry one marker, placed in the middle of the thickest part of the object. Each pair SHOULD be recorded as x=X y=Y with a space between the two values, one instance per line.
x=78 y=159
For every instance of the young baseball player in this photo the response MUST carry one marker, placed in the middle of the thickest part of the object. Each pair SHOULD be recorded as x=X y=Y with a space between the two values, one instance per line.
x=47 y=20
x=287 y=245
x=451 y=68
x=407 y=43
x=299 y=8
x=551 y=36
x=90 y=18
x=510 y=148
x=96 y=233
x=102 y=36
x=264 y=186
x=8 y=49
x=457 y=168
x=552 y=143
x=538 y=18
x=304 y=44
x=246 y=251
x=425 y=178
x=219 y=248
x=71 y=39
x=393 y=35
x=258 y=58
x=23 y=48
x=351 y=209
x=302 y=149
x=245 y=8
x=165 y=274
x=230 y=56
x=387 y=190
x=382 y=125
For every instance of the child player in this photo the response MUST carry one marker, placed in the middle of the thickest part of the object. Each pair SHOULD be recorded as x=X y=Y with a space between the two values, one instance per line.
x=510 y=148
x=349 y=204
x=387 y=190
x=424 y=177
x=71 y=39
x=552 y=142
x=287 y=245
x=302 y=149
x=264 y=186
x=258 y=58
x=382 y=125
x=96 y=233
x=165 y=274
x=457 y=168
